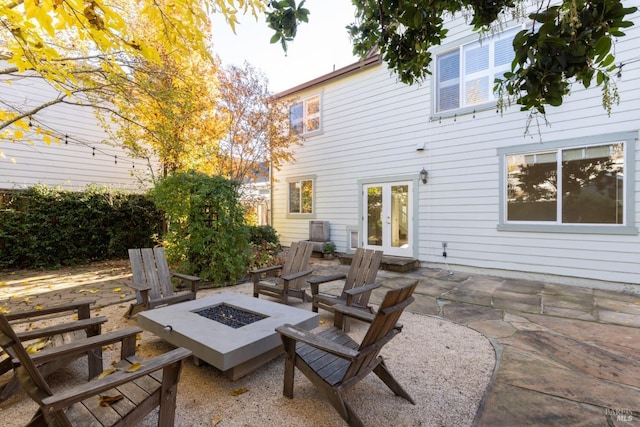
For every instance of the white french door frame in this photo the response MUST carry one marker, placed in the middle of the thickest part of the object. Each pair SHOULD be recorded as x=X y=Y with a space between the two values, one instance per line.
x=408 y=250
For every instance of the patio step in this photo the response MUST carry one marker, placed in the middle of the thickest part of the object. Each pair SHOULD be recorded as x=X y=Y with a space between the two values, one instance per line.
x=389 y=263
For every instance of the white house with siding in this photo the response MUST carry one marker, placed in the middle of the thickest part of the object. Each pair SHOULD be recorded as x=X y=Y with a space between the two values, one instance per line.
x=491 y=191
x=64 y=145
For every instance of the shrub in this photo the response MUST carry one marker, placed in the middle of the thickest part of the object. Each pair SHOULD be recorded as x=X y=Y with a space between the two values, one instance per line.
x=50 y=227
x=263 y=233
x=206 y=232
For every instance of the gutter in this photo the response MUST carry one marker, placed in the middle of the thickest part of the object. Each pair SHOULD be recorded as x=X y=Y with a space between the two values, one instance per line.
x=337 y=74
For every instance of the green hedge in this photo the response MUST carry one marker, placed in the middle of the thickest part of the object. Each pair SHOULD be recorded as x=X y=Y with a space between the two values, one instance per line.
x=49 y=227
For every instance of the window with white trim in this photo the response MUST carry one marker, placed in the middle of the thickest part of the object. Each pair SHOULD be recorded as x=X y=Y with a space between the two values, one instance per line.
x=304 y=116
x=465 y=76
x=301 y=196
x=569 y=186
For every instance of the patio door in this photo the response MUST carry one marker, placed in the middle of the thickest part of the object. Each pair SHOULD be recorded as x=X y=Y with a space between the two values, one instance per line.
x=387 y=224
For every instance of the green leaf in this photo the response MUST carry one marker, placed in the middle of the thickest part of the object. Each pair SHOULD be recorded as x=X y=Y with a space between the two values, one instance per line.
x=275 y=38
x=603 y=46
x=608 y=61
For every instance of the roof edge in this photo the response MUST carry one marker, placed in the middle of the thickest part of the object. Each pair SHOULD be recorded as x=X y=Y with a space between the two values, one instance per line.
x=341 y=72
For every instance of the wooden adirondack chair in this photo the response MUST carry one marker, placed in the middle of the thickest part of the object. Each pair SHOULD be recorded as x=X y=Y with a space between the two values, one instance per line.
x=292 y=275
x=152 y=281
x=81 y=405
x=62 y=343
x=359 y=282
x=334 y=362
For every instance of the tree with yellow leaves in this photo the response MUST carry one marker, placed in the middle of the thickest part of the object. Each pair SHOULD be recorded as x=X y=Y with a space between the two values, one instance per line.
x=166 y=110
x=81 y=47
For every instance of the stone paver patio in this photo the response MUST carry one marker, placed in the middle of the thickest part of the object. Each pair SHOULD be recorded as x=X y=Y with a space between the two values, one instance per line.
x=565 y=355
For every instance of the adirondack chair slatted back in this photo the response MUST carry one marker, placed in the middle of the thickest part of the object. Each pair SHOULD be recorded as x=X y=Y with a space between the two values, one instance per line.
x=383 y=328
x=32 y=380
x=363 y=271
x=297 y=260
x=149 y=266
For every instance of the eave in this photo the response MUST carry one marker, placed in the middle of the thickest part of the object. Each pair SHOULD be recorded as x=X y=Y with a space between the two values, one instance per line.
x=334 y=75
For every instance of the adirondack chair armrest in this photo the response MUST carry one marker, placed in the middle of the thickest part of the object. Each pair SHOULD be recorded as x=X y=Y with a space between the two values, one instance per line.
x=294 y=276
x=94 y=322
x=353 y=312
x=82 y=346
x=304 y=336
x=194 y=281
x=65 y=398
x=140 y=287
x=255 y=274
x=82 y=307
x=362 y=289
x=315 y=282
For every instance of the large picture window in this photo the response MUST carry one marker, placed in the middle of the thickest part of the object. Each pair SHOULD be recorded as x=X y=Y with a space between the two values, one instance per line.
x=465 y=76
x=305 y=116
x=568 y=185
x=301 y=196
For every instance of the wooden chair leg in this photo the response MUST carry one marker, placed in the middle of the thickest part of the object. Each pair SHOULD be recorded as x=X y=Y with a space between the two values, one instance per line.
x=170 y=376
x=383 y=373
x=289 y=366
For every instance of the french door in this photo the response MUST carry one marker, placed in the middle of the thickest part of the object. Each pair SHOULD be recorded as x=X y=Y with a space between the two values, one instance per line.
x=388 y=225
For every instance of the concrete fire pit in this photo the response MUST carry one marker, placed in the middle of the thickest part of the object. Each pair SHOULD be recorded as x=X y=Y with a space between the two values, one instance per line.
x=232 y=332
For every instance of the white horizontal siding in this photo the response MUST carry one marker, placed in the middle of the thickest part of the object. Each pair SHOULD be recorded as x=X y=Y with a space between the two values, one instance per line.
x=371 y=124
x=80 y=153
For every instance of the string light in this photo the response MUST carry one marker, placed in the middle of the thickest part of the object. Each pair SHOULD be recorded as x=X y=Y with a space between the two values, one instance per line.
x=70 y=140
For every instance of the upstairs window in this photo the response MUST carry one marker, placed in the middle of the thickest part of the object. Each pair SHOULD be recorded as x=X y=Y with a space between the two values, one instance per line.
x=465 y=76
x=304 y=116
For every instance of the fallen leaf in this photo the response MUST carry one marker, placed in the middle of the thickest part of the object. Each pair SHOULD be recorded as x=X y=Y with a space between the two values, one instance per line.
x=4 y=311
x=35 y=347
x=109 y=400
x=122 y=296
x=94 y=291
x=239 y=391
x=117 y=289
x=134 y=367
x=38 y=307
x=110 y=370
x=216 y=420
x=4 y=284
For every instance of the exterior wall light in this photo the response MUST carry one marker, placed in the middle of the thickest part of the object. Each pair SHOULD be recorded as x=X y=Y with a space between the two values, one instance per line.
x=424 y=175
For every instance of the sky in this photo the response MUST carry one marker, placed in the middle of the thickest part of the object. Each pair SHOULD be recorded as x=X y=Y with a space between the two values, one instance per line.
x=320 y=46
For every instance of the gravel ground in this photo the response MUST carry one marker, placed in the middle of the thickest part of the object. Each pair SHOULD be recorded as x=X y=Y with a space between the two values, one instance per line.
x=445 y=367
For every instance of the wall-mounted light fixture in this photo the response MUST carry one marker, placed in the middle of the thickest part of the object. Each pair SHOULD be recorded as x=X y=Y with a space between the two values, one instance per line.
x=424 y=175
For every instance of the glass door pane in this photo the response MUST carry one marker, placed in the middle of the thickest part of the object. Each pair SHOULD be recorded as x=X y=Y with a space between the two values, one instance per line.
x=387 y=219
x=399 y=216
x=374 y=216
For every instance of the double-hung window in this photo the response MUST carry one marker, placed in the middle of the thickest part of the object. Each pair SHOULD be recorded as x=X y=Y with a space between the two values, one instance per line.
x=300 y=196
x=465 y=76
x=577 y=186
x=304 y=116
